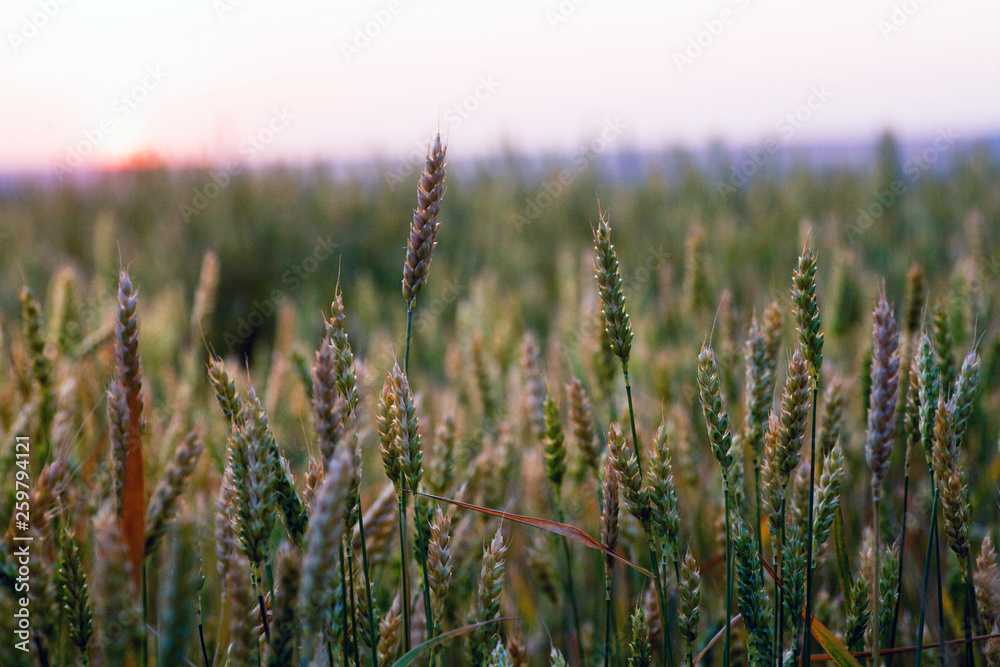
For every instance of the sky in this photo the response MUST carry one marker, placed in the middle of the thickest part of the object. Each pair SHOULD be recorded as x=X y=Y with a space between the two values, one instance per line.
x=94 y=83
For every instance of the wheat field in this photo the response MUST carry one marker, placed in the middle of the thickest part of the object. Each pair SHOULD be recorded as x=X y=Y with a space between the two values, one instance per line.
x=664 y=427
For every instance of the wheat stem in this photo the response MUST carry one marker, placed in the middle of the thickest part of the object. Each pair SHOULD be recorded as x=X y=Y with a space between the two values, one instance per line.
x=807 y=639
x=631 y=416
x=368 y=586
x=875 y=620
x=729 y=571
x=404 y=572
x=570 y=585
x=410 y=306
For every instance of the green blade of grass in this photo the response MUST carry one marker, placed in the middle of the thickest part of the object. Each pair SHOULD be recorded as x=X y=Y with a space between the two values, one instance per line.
x=411 y=656
x=554 y=527
x=833 y=646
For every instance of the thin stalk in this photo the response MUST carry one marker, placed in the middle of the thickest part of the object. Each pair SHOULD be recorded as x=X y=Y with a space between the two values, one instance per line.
x=410 y=307
x=329 y=652
x=346 y=642
x=404 y=573
x=729 y=572
x=779 y=616
x=570 y=585
x=201 y=632
x=255 y=577
x=756 y=488
x=807 y=639
x=667 y=654
x=417 y=519
x=667 y=640
x=368 y=586
x=940 y=589
x=631 y=416
x=902 y=551
x=607 y=621
x=927 y=574
x=354 y=609
x=201 y=637
x=970 y=597
x=876 y=573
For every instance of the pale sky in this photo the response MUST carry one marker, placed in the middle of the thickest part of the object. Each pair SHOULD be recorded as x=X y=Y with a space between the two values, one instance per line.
x=266 y=81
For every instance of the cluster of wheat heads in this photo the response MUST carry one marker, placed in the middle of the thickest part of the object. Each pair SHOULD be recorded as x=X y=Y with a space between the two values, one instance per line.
x=513 y=514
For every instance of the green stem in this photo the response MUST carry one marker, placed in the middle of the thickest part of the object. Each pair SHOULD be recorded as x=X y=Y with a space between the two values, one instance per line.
x=354 y=612
x=807 y=638
x=345 y=642
x=902 y=552
x=940 y=588
x=631 y=416
x=201 y=638
x=368 y=587
x=779 y=616
x=927 y=573
x=570 y=585
x=607 y=618
x=410 y=307
x=255 y=580
x=422 y=531
x=756 y=486
x=970 y=598
x=667 y=654
x=876 y=574
x=729 y=572
x=404 y=573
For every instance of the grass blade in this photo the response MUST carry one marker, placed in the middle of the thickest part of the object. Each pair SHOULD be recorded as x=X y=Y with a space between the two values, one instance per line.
x=411 y=656
x=554 y=527
x=834 y=647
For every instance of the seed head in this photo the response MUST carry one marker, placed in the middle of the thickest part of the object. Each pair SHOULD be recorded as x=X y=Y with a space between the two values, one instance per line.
x=689 y=602
x=581 y=417
x=752 y=596
x=555 y=444
x=806 y=310
x=609 y=281
x=609 y=515
x=534 y=386
x=163 y=506
x=662 y=492
x=714 y=407
x=640 y=654
x=916 y=296
x=321 y=540
x=225 y=392
x=424 y=229
x=328 y=405
x=758 y=388
x=882 y=403
x=944 y=345
x=627 y=466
